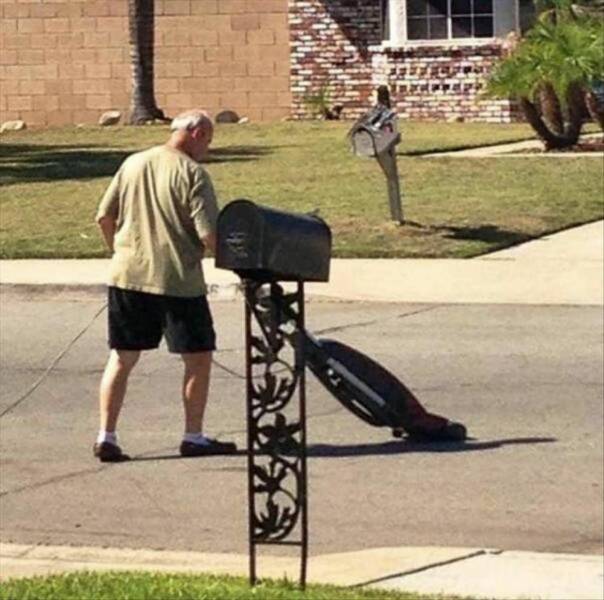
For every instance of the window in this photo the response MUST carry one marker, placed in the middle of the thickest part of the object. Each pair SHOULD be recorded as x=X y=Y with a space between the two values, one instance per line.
x=471 y=18
x=427 y=20
x=421 y=20
x=449 y=19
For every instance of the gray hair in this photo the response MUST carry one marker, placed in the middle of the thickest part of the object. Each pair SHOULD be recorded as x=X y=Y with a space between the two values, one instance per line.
x=191 y=119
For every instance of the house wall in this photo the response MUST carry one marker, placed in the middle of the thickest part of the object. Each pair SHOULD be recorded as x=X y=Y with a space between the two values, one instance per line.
x=330 y=42
x=437 y=83
x=67 y=61
x=338 y=43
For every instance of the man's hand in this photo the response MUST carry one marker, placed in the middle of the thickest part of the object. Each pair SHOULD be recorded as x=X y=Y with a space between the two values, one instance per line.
x=108 y=227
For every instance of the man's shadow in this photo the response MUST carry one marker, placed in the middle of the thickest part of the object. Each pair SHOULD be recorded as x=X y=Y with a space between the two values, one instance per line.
x=402 y=446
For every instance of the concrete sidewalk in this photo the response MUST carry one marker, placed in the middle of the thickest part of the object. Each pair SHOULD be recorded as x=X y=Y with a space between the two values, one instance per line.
x=517 y=150
x=565 y=269
x=472 y=572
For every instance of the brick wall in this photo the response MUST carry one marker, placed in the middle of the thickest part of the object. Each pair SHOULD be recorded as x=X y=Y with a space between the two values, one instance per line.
x=337 y=43
x=67 y=61
x=330 y=42
x=437 y=84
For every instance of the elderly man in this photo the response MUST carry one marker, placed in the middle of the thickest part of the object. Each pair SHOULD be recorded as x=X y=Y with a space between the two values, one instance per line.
x=157 y=216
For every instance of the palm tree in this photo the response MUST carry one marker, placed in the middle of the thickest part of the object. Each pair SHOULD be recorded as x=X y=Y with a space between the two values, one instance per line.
x=550 y=72
x=141 y=25
x=594 y=10
x=578 y=11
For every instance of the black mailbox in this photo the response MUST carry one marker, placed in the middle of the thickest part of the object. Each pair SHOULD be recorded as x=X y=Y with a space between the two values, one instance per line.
x=265 y=244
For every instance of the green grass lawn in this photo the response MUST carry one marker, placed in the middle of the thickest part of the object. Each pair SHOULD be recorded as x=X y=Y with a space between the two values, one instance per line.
x=51 y=182
x=144 y=586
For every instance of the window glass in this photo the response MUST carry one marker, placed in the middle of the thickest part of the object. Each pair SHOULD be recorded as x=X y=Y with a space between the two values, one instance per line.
x=461 y=27
x=483 y=27
x=484 y=7
x=417 y=29
x=417 y=7
x=438 y=7
x=461 y=7
x=438 y=28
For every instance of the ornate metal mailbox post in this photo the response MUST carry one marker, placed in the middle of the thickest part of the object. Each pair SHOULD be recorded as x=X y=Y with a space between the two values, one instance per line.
x=264 y=247
x=277 y=479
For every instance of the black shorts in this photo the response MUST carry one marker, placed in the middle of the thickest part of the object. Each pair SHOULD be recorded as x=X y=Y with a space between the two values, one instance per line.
x=137 y=321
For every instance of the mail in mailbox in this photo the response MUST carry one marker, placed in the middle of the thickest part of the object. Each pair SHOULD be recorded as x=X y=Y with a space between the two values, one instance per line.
x=265 y=244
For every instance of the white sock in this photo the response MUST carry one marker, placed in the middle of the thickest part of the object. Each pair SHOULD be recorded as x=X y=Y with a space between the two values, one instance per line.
x=196 y=438
x=107 y=436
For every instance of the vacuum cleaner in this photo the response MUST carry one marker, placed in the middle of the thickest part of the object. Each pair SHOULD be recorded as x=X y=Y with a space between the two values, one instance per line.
x=371 y=392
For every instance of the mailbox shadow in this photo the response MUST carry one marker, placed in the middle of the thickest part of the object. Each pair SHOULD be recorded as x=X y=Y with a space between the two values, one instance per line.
x=486 y=233
x=407 y=446
x=490 y=234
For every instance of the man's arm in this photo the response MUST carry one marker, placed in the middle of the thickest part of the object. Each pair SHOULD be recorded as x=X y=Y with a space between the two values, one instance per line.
x=204 y=211
x=209 y=242
x=108 y=226
x=107 y=214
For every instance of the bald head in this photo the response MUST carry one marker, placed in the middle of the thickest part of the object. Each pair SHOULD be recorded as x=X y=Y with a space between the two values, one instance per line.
x=191 y=119
x=192 y=133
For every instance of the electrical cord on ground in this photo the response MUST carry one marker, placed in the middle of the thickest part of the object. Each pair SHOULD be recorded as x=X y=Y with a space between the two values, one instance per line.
x=63 y=352
x=53 y=364
x=227 y=370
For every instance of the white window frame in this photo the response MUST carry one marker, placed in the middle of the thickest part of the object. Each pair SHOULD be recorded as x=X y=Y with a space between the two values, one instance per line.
x=398 y=28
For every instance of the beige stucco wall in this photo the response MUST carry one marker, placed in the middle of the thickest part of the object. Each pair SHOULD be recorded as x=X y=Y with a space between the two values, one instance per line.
x=67 y=61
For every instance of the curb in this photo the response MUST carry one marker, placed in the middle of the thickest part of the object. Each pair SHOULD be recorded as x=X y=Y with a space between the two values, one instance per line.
x=496 y=574
x=356 y=569
x=215 y=291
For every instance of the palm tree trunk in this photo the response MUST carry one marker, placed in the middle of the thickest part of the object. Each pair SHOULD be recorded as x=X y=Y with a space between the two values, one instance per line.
x=141 y=23
x=595 y=107
x=575 y=102
x=571 y=130
x=549 y=138
x=550 y=108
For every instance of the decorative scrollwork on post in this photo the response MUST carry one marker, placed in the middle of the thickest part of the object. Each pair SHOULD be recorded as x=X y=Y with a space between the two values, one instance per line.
x=276 y=423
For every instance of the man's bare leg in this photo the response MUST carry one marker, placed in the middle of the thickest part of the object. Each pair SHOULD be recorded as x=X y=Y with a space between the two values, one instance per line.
x=113 y=386
x=196 y=384
x=111 y=397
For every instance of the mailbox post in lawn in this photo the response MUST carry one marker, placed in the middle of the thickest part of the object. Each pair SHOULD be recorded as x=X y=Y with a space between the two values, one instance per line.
x=376 y=134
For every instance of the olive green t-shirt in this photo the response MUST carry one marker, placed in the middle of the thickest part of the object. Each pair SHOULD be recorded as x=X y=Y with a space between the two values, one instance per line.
x=164 y=204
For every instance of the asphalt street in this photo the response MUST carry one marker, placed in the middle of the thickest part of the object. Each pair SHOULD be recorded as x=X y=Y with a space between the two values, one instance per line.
x=526 y=380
